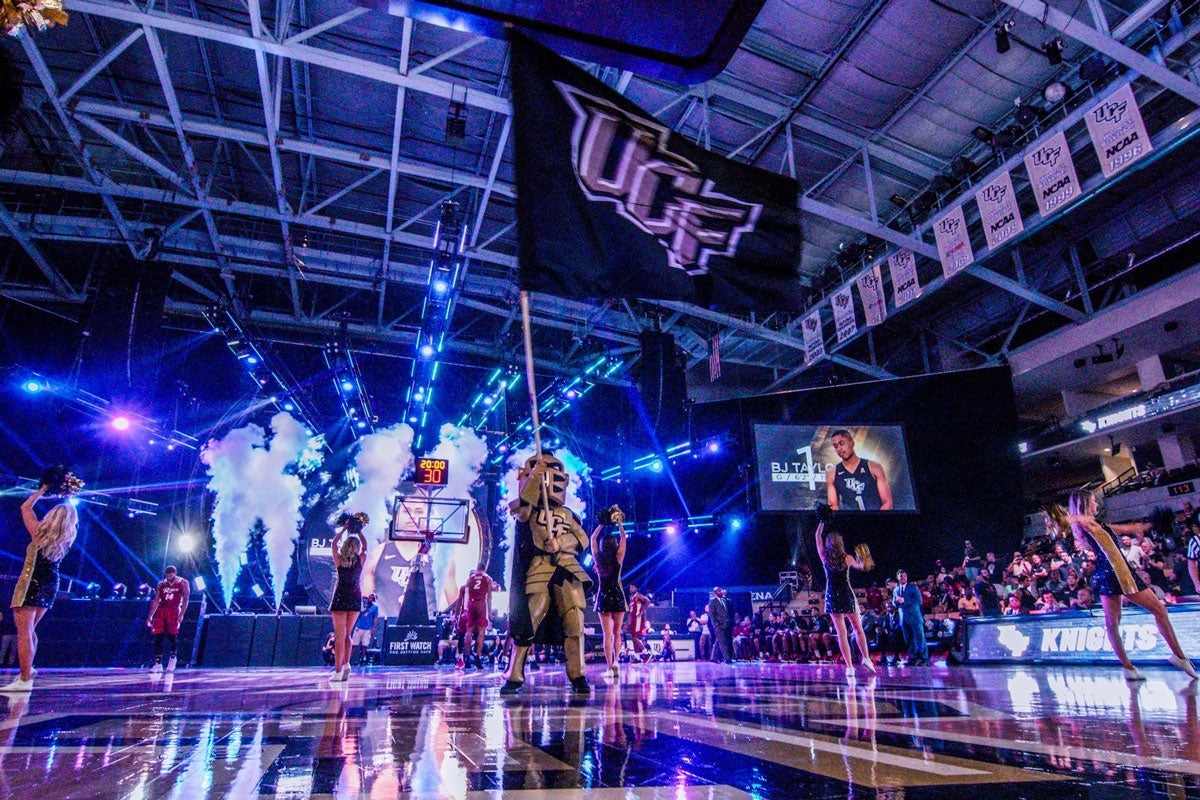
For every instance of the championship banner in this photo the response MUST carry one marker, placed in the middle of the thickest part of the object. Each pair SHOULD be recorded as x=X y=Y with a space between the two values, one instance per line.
x=1118 y=132
x=843 y=314
x=870 y=289
x=998 y=211
x=905 y=285
x=1052 y=174
x=814 y=338
x=611 y=203
x=953 y=242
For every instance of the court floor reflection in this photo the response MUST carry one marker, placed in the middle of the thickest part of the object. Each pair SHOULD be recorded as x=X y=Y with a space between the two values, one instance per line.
x=681 y=731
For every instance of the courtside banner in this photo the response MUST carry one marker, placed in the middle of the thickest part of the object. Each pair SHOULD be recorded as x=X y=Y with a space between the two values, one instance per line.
x=1118 y=132
x=905 y=285
x=843 y=314
x=611 y=203
x=814 y=338
x=998 y=211
x=953 y=242
x=870 y=289
x=1052 y=174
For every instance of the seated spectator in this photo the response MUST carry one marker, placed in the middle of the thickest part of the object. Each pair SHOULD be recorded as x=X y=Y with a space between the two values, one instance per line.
x=891 y=639
x=821 y=640
x=1049 y=604
x=1082 y=601
x=968 y=605
x=327 y=650
x=1013 y=607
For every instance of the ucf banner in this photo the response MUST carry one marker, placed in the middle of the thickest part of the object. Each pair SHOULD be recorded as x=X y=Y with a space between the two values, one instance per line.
x=843 y=314
x=1052 y=174
x=814 y=338
x=1118 y=132
x=998 y=211
x=905 y=286
x=611 y=203
x=953 y=242
x=870 y=289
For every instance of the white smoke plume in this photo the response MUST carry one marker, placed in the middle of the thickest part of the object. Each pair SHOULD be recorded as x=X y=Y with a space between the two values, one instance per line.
x=384 y=458
x=466 y=451
x=249 y=477
x=578 y=472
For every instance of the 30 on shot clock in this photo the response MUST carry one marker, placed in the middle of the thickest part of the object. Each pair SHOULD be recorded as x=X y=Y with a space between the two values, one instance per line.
x=432 y=472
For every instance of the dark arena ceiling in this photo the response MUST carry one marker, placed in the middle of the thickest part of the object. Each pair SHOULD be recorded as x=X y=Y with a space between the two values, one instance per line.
x=272 y=175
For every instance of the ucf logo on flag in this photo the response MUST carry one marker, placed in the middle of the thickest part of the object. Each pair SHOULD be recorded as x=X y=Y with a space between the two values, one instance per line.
x=611 y=203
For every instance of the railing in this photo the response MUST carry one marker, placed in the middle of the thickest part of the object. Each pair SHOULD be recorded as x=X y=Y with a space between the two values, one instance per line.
x=1113 y=486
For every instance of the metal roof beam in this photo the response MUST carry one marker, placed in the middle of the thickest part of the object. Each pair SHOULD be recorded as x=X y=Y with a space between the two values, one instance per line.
x=1025 y=293
x=339 y=62
x=1106 y=44
x=18 y=232
x=859 y=223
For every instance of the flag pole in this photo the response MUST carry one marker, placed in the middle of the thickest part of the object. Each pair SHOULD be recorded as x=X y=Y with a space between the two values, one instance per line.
x=529 y=380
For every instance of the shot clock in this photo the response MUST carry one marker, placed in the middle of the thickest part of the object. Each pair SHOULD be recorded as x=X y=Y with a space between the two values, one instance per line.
x=431 y=472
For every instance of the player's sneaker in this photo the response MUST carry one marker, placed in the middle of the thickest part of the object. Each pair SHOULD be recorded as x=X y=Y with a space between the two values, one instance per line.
x=171 y=664
x=156 y=669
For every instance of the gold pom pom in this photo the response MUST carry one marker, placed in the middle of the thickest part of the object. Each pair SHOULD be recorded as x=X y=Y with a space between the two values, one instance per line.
x=40 y=14
x=864 y=555
x=70 y=485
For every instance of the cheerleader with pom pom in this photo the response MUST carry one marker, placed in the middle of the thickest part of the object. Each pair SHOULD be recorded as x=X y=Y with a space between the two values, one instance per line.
x=50 y=539
x=840 y=602
x=349 y=549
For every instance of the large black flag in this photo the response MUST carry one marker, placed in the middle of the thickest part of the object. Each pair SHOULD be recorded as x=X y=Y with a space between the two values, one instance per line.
x=610 y=203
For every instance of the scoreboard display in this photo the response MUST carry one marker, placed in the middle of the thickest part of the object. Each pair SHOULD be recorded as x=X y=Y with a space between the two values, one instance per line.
x=431 y=472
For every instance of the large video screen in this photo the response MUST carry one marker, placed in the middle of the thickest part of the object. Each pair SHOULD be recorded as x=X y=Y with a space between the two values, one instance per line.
x=851 y=467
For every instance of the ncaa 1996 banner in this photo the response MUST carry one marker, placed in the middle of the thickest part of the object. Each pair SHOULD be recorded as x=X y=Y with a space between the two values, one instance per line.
x=1118 y=132
x=1052 y=174
x=612 y=203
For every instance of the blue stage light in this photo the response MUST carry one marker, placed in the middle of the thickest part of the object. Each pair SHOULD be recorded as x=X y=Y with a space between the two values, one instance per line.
x=200 y=584
x=73 y=501
x=587 y=560
x=413 y=419
x=487 y=401
x=735 y=523
x=427 y=350
x=251 y=360
x=572 y=394
x=361 y=424
x=656 y=466
x=257 y=590
x=289 y=407
x=714 y=447
x=33 y=387
x=440 y=287
x=347 y=386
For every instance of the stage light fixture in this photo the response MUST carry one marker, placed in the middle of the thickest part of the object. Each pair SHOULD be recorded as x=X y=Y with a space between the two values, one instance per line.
x=33 y=387
x=572 y=394
x=361 y=424
x=199 y=583
x=120 y=423
x=186 y=542
x=149 y=441
x=251 y=359
x=257 y=590
x=427 y=350
x=671 y=530
x=963 y=168
x=347 y=386
x=714 y=447
x=487 y=401
x=983 y=134
x=1053 y=50
x=456 y=123
x=1024 y=115
x=289 y=407
x=1023 y=447
x=74 y=501
x=440 y=287
x=656 y=465
x=898 y=201
x=1055 y=92
x=735 y=523
x=1093 y=68
x=413 y=419
x=1003 y=45
x=170 y=447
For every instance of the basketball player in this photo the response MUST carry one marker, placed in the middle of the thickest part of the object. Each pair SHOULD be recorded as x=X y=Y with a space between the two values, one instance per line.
x=166 y=612
x=478 y=600
x=638 y=603
x=855 y=484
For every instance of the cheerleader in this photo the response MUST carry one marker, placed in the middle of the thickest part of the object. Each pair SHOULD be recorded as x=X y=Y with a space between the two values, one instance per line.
x=1114 y=581
x=840 y=602
x=349 y=548
x=50 y=539
x=609 y=553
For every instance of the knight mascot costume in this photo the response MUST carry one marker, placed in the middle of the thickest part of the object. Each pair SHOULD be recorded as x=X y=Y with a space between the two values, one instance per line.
x=549 y=585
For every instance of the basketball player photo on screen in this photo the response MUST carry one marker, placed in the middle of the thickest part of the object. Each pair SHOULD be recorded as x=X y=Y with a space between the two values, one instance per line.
x=850 y=467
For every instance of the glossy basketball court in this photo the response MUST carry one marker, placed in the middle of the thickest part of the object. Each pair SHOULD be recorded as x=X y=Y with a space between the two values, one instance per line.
x=679 y=731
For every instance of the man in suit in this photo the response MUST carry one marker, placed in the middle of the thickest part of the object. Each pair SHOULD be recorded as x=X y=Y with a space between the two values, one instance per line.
x=718 y=615
x=907 y=598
